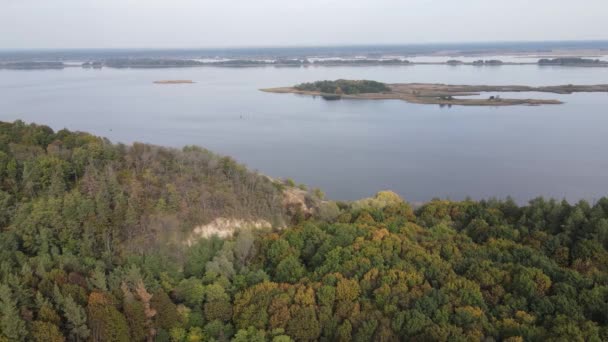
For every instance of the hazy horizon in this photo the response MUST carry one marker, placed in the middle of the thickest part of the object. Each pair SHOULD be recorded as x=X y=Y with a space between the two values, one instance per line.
x=304 y=46
x=182 y=24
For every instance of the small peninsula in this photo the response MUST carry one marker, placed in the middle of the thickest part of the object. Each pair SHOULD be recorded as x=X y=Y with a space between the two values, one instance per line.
x=430 y=93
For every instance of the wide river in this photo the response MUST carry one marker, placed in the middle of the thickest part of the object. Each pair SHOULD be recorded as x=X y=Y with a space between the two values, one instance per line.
x=349 y=148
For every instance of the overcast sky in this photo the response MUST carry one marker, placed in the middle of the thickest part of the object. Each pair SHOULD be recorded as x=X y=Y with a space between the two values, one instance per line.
x=227 y=23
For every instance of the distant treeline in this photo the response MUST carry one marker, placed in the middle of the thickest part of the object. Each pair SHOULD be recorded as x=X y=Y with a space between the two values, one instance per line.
x=150 y=63
x=488 y=62
x=182 y=63
x=159 y=63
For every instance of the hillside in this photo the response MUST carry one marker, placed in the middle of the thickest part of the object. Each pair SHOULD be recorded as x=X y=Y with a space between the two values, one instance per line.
x=96 y=244
x=106 y=194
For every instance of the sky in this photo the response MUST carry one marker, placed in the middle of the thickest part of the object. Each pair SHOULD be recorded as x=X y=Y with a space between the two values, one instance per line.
x=28 y=24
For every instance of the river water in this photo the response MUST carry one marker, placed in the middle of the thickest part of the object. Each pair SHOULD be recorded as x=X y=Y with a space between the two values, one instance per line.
x=349 y=148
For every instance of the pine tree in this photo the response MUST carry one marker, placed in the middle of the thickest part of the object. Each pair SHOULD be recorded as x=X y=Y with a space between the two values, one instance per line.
x=11 y=324
x=77 y=319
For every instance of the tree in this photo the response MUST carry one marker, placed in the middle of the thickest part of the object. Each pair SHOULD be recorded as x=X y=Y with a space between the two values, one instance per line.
x=304 y=325
x=344 y=333
x=76 y=319
x=218 y=310
x=98 y=279
x=105 y=321
x=136 y=318
x=250 y=334
x=347 y=290
x=166 y=312
x=46 y=332
x=148 y=311
x=191 y=291
x=11 y=324
x=290 y=270
x=243 y=247
x=195 y=335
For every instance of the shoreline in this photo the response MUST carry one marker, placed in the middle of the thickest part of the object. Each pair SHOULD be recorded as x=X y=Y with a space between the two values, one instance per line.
x=299 y=63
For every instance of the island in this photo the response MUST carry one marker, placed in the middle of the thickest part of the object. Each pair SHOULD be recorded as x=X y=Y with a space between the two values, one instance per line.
x=573 y=61
x=32 y=65
x=174 y=82
x=150 y=63
x=430 y=93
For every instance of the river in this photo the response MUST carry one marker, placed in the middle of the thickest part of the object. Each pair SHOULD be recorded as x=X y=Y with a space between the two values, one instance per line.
x=349 y=148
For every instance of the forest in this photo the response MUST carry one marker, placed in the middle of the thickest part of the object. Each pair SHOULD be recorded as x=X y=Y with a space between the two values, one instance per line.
x=348 y=87
x=92 y=249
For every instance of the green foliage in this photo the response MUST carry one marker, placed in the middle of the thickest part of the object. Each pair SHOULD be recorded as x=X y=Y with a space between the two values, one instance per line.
x=190 y=291
x=46 y=332
x=290 y=270
x=11 y=324
x=250 y=334
x=105 y=321
x=304 y=325
x=344 y=87
x=93 y=247
x=136 y=318
x=166 y=311
x=76 y=319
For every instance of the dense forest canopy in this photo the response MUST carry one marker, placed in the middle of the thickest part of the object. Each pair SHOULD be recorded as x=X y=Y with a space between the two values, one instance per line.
x=111 y=193
x=89 y=251
x=348 y=87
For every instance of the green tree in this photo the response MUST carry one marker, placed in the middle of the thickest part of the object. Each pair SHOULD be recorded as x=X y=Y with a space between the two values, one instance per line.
x=45 y=332
x=191 y=291
x=12 y=325
x=304 y=325
x=290 y=270
x=250 y=334
x=166 y=311
x=105 y=321
x=76 y=319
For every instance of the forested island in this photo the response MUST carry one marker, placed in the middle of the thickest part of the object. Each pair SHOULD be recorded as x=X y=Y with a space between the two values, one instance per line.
x=429 y=93
x=113 y=242
x=348 y=87
x=573 y=61
x=238 y=63
x=29 y=65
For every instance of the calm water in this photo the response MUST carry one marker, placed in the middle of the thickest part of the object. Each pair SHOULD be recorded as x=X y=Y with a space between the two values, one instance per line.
x=349 y=148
